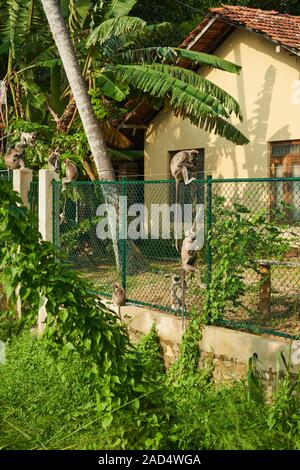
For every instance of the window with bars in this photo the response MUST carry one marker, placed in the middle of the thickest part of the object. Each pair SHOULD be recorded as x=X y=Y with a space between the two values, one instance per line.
x=285 y=163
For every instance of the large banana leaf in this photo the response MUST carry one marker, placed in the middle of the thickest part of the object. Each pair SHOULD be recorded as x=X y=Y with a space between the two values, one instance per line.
x=111 y=89
x=138 y=38
x=202 y=84
x=114 y=27
x=78 y=12
x=23 y=33
x=168 y=84
x=208 y=59
x=118 y=8
x=154 y=55
x=173 y=55
x=184 y=99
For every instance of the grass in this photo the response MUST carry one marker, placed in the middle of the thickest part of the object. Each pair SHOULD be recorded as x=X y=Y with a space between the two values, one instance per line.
x=46 y=404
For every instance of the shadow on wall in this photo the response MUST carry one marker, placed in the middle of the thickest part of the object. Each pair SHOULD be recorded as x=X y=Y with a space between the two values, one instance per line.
x=255 y=152
x=255 y=128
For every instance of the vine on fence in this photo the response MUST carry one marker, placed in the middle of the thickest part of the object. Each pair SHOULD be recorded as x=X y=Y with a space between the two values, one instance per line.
x=76 y=319
x=238 y=239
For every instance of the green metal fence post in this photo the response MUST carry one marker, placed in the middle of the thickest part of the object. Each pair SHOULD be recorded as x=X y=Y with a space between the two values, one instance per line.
x=208 y=229
x=123 y=231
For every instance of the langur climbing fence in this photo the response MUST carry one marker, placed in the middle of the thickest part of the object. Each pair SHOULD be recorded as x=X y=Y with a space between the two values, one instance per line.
x=259 y=291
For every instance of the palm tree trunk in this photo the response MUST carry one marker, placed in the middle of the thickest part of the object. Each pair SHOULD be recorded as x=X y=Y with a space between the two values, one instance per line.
x=68 y=56
x=90 y=123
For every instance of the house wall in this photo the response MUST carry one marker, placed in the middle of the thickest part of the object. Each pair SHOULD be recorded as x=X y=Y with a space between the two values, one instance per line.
x=264 y=91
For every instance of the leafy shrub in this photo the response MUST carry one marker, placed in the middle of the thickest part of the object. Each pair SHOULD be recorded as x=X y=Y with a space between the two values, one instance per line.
x=76 y=319
x=237 y=240
x=47 y=403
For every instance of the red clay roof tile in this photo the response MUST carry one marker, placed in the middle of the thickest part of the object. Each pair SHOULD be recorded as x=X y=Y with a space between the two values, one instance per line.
x=282 y=28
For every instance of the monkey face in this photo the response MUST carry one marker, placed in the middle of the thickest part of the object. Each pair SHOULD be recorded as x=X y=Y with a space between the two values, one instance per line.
x=193 y=154
x=28 y=138
x=176 y=279
x=190 y=235
x=19 y=148
x=31 y=138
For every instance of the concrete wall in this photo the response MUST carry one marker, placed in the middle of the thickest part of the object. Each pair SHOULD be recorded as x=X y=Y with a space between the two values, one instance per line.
x=229 y=350
x=264 y=91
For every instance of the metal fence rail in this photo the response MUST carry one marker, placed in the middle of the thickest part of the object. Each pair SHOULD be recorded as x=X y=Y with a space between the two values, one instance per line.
x=141 y=265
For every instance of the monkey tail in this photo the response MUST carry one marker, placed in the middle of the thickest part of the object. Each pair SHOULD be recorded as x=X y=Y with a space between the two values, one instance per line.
x=176 y=215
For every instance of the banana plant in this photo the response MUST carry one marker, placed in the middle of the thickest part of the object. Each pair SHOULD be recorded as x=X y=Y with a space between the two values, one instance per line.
x=26 y=49
x=121 y=65
x=124 y=64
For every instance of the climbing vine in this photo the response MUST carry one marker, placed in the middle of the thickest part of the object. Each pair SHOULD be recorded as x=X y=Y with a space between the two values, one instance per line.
x=238 y=239
x=76 y=319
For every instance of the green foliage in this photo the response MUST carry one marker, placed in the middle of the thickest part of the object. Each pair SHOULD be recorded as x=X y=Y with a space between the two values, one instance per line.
x=203 y=110
x=76 y=320
x=283 y=413
x=125 y=63
x=151 y=354
x=47 y=403
x=255 y=386
x=187 y=364
x=35 y=157
x=238 y=240
x=105 y=38
x=184 y=15
x=42 y=400
x=73 y=145
x=9 y=327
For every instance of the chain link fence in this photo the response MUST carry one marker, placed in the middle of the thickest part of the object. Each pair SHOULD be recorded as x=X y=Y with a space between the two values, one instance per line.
x=242 y=217
x=33 y=196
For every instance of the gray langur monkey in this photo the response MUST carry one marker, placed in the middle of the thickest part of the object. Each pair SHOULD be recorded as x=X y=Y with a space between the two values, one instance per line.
x=71 y=172
x=118 y=298
x=53 y=160
x=176 y=291
x=180 y=165
x=188 y=252
x=13 y=158
x=71 y=175
x=28 y=138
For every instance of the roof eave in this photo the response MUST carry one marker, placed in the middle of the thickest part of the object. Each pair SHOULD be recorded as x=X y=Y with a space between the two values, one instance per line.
x=217 y=16
x=202 y=32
